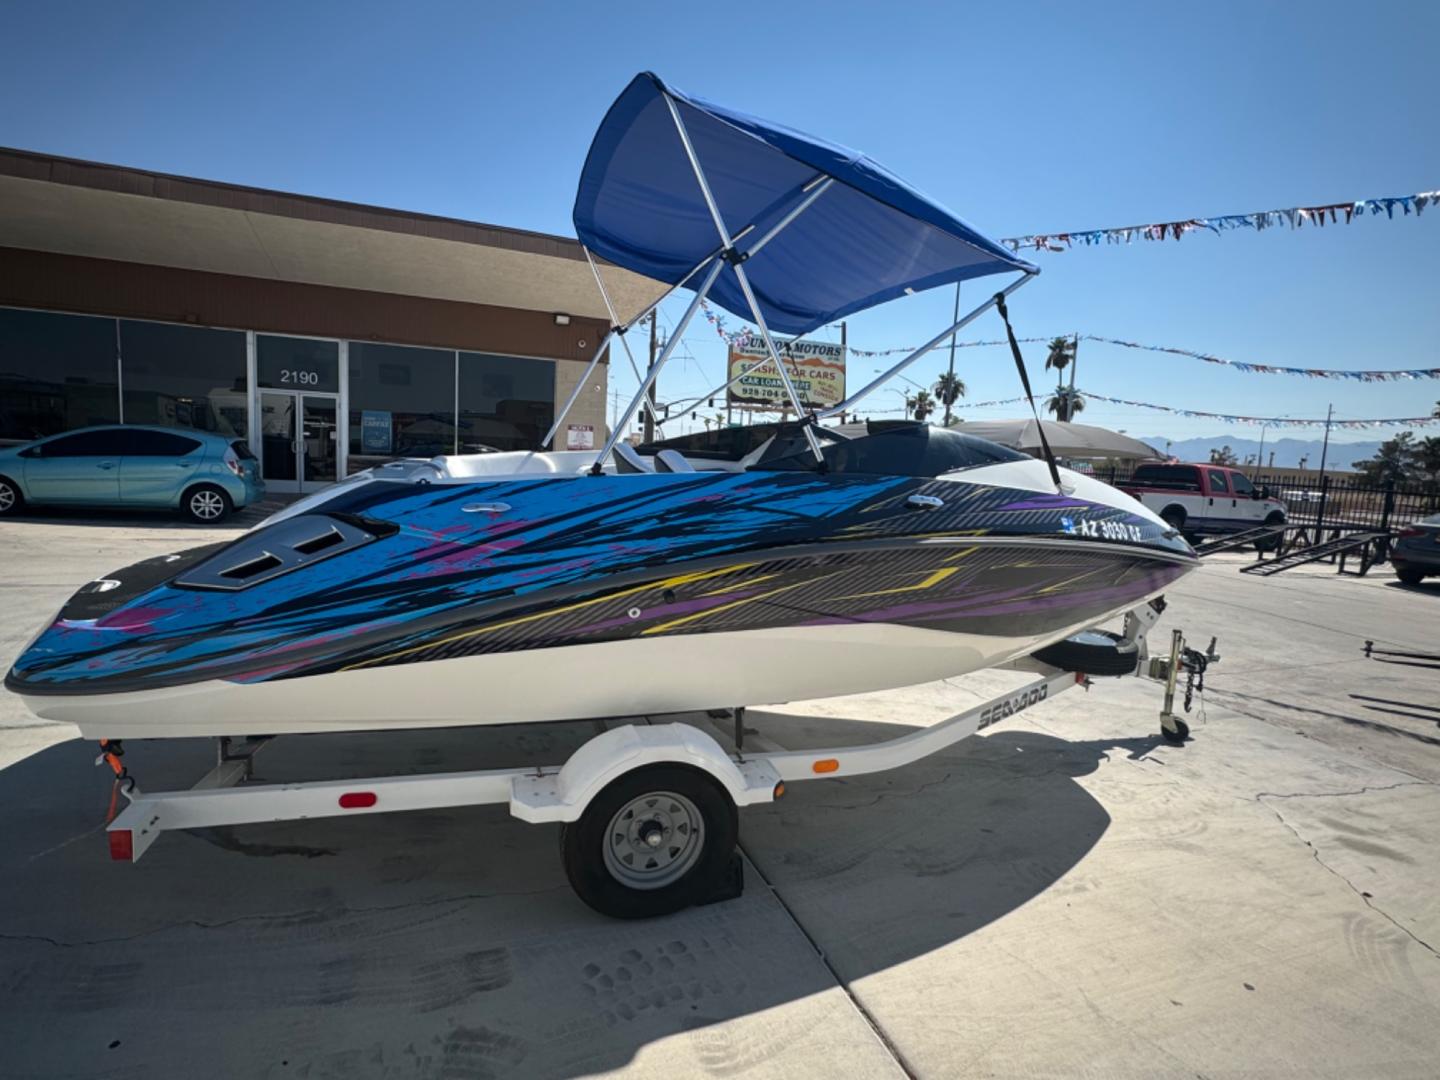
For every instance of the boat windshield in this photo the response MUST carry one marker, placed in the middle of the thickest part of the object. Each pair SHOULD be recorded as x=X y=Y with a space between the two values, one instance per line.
x=732 y=443
x=900 y=449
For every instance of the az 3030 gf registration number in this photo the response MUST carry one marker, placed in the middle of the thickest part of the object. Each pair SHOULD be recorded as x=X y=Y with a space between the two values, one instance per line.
x=1105 y=530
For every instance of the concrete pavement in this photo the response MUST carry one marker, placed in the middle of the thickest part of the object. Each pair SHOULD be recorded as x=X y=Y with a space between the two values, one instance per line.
x=1064 y=896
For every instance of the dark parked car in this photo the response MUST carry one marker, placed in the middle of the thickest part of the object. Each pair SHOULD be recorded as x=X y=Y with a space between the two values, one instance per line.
x=200 y=473
x=1416 y=554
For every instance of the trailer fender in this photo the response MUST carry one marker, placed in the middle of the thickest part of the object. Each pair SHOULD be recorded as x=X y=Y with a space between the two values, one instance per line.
x=563 y=795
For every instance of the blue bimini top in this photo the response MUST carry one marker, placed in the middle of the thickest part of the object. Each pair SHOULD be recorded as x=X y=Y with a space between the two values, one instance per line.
x=869 y=238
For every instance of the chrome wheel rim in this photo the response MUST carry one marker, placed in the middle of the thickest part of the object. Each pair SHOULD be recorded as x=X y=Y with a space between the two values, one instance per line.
x=207 y=505
x=7 y=497
x=653 y=840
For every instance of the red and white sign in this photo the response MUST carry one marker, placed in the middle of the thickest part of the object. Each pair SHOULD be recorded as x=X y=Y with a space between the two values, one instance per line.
x=580 y=437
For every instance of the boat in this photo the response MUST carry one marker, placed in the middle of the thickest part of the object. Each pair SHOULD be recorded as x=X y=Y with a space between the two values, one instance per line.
x=799 y=561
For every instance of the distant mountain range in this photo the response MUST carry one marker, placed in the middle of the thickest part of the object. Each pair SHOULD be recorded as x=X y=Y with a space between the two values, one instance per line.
x=1288 y=452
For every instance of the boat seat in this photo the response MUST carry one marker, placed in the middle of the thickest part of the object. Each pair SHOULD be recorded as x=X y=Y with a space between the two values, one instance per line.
x=672 y=461
x=627 y=460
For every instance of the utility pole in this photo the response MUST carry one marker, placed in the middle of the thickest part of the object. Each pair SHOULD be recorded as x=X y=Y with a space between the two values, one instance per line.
x=650 y=405
x=1325 y=446
x=950 y=382
x=845 y=353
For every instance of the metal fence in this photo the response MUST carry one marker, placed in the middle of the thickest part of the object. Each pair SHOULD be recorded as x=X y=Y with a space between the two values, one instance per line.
x=1336 y=503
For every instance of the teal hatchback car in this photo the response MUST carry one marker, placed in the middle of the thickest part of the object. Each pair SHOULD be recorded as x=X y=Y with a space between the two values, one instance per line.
x=132 y=466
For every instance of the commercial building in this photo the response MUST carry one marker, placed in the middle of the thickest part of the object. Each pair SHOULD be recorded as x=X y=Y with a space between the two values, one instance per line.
x=328 y=335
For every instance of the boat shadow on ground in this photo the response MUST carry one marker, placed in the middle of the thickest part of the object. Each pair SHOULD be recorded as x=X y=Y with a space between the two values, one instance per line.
x=448 y=942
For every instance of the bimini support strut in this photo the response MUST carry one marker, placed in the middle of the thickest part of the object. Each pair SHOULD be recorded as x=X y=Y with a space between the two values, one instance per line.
x=624 y=419
x=579 y=386
x=736 y=258
x=959 y=324
x=615 y=321
x=617 y=328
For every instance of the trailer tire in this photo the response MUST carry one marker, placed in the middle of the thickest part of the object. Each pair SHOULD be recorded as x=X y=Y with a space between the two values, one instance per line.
x=1093 y=652
x=654 y=841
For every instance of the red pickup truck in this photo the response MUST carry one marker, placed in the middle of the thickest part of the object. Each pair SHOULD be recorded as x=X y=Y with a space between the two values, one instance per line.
x=1200 y=499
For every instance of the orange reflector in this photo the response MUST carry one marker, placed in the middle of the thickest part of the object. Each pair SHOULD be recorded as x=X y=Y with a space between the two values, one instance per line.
x=780 y=789
x=122 y=845
x=825 y=765
x=358 y=800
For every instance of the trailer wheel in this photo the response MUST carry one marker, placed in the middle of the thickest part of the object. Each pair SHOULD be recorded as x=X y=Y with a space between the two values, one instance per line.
x=1092 y=652
x=653 y=842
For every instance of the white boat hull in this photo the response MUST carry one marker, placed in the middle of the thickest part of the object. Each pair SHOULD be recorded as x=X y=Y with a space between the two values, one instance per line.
x=616 y=678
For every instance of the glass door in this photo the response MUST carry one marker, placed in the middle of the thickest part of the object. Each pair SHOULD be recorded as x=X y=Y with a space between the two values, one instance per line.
x=279 y=456
x=319 y=442
x=299 y=441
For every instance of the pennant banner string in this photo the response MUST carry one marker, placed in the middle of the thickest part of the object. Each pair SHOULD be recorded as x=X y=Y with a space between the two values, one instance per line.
x=1270 y=421
x=1382 y=375
x=1295 y=217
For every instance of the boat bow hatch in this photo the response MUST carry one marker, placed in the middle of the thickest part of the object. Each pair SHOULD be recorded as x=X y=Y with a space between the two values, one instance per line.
x=277 y=550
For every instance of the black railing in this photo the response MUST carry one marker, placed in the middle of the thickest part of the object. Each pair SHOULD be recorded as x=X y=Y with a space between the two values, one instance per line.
x=1334 y=504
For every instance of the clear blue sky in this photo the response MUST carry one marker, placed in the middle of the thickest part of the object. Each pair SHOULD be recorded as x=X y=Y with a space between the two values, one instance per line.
x=1022 y=117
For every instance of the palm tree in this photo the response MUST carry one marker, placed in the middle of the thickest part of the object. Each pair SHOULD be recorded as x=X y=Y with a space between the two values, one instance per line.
x=949 y=388
x=1062 y=351
x=924 y=404
x=1064 y=403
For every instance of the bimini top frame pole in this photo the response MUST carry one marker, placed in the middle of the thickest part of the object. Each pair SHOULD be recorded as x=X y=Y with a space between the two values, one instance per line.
x=727 y=253
x=716 y=264
x=849 y=403
x=615 y=322
x=617 y=329
x=735 y=258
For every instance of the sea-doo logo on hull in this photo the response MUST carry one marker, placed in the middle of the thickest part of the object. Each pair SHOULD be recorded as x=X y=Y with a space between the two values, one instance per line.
x=996 y=713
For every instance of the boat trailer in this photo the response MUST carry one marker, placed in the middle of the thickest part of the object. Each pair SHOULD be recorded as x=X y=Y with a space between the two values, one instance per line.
x=647 y=809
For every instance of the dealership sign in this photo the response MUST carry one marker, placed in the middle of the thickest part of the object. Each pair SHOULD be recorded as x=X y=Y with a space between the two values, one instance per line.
x=817 y=368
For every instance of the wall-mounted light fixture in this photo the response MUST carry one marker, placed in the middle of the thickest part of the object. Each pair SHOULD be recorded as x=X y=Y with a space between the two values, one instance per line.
x=561 y=319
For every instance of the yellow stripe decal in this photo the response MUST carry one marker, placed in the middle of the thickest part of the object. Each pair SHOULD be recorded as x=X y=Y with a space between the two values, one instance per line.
x=935 y=578
x=727 y=607
x=683 y=579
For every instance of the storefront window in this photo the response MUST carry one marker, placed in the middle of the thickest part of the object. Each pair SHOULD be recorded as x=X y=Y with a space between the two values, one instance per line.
x=286 y=363
x=402 y=403
x=506 y=402
x=57 y=372
x=184 y=376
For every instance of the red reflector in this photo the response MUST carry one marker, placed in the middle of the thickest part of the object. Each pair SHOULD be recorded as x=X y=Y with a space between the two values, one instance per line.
x=122 y=845
x=358 y=800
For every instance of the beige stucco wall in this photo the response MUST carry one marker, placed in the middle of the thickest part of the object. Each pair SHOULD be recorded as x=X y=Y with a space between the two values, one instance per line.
x=589 y=407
